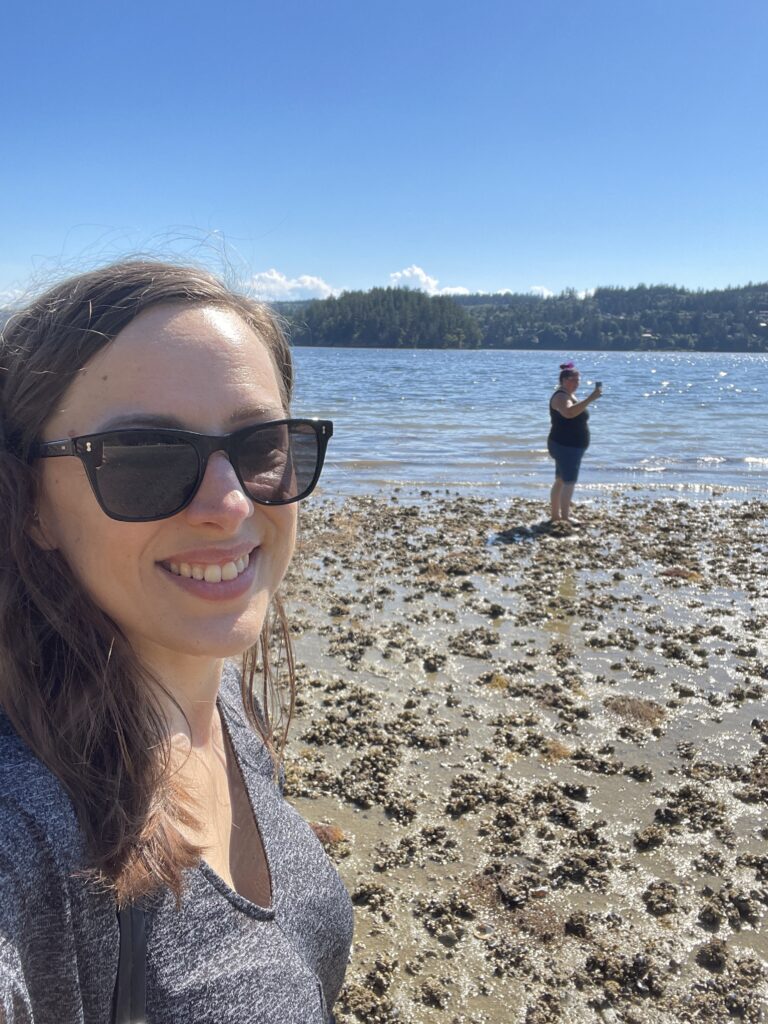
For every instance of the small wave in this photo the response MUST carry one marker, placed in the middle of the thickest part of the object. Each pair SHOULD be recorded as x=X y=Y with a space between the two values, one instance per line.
x=509 y=456
x=754 y=461
x=676 y=487
x=344 y=465
x=655 y=465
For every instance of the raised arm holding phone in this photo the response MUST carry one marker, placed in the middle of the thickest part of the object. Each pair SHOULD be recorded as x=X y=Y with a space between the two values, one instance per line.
x=568 y=439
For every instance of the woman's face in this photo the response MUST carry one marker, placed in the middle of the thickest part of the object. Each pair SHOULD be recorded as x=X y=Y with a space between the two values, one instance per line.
x=200 y=368
x=571 y=383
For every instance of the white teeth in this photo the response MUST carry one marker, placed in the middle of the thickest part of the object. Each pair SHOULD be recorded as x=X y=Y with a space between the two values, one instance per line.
x=210 y=573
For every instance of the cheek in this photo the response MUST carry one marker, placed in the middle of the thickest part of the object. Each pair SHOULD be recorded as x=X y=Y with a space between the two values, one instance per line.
x=289 y=532
x=292 y=526
x=65 y=505
x=99 y=558
x=98 y=550
x=109 y=568
x=284 y=522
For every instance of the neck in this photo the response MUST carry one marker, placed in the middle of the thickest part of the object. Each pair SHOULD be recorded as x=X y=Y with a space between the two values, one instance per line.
x=190 y=686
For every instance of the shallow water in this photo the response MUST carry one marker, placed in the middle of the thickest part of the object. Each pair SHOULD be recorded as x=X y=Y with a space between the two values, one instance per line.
x=673 y=424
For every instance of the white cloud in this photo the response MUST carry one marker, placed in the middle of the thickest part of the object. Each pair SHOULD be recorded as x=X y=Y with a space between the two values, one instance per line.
x=272 y=286
x=416 y=277
x=547 y=293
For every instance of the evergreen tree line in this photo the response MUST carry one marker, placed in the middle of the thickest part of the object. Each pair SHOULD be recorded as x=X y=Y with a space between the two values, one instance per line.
x=383 y=318
x=657 y=317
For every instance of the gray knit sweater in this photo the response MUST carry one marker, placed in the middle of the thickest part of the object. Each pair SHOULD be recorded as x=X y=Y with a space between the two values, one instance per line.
x=218 y=958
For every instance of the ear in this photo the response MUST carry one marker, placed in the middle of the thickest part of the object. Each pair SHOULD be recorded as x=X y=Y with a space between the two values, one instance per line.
x=38 y=533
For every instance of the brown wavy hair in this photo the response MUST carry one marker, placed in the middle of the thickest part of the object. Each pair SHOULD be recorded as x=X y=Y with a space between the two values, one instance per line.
x=70 y=683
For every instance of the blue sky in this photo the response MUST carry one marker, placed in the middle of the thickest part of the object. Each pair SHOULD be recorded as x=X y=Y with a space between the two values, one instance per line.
x=310 y=147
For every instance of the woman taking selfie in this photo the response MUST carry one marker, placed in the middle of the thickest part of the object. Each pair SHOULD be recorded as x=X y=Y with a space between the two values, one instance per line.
x=568 y=439
x=149 y=475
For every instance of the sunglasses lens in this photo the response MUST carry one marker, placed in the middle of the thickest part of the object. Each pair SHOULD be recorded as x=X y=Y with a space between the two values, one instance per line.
x=141 y=476
x=278 y=462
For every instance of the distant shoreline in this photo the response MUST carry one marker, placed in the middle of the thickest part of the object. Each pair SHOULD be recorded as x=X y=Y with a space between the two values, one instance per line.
x=655 y=318
x=532 y=348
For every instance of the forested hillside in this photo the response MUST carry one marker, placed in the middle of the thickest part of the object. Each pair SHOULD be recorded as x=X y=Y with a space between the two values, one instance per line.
x=384 y=318
x=645 y=317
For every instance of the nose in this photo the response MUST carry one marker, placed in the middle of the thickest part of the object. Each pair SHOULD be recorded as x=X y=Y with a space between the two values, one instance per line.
x=220 y=499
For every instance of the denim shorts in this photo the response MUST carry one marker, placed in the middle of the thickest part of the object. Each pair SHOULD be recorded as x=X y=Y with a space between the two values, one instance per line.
x=567 y=461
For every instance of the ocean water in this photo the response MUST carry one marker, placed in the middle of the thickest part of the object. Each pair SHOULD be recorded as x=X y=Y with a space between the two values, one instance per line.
x=692 y=425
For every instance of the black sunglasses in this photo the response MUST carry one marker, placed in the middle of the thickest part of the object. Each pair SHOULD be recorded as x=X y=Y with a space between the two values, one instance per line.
x=146 y=473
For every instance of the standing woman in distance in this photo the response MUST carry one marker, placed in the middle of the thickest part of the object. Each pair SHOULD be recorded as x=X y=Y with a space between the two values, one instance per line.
x=149 y=475
x=568 y=439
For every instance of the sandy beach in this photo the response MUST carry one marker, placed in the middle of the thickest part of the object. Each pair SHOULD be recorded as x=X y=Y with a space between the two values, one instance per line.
x=541 y=758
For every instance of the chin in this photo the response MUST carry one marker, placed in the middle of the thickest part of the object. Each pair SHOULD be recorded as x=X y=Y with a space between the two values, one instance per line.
x=227 y=643
x=211 y=638
x=216 y=648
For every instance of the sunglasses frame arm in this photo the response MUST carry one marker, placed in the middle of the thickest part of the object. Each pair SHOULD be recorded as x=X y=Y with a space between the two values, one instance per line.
x=51 y=449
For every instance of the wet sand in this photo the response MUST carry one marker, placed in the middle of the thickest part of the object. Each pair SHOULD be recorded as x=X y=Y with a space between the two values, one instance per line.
x=541 y=758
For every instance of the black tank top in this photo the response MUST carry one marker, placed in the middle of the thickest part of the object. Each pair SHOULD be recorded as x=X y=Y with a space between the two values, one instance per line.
x=574 y=432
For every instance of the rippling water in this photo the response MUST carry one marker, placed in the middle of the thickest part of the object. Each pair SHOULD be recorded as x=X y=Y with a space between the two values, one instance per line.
x=673 y=423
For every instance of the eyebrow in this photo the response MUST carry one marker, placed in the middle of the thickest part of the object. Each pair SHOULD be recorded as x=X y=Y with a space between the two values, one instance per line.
x=244 y=414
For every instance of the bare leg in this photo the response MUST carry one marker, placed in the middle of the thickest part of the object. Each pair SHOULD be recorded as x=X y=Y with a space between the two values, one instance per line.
x=565 y=499
x=554 y=495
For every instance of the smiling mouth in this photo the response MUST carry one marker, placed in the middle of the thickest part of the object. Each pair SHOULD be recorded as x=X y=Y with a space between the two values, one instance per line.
x=211 y=573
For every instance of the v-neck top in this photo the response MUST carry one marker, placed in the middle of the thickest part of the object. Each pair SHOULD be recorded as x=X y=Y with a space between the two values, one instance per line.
x=216 y=957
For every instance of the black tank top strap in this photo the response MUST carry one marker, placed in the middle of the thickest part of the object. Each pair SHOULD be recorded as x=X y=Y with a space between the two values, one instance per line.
x=560 y=391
